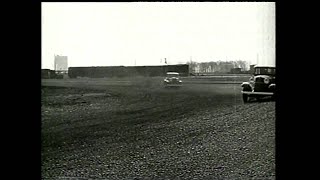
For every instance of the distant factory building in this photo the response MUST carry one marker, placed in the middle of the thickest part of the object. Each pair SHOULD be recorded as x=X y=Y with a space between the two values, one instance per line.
x=50 y=74
x=61 y=63
x=127 y=71
x=236 y=71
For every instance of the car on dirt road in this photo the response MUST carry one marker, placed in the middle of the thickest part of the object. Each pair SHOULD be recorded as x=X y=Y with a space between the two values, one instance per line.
x=172 y=79
x=261 y=84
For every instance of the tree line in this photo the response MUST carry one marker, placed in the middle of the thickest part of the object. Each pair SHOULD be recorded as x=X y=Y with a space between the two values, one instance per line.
x=217 y=66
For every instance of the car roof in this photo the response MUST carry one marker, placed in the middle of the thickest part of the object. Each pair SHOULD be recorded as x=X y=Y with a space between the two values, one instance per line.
x=175 y=73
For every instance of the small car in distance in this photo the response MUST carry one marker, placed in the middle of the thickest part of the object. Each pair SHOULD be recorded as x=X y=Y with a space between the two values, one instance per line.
x=261 y=84
x=172 y=79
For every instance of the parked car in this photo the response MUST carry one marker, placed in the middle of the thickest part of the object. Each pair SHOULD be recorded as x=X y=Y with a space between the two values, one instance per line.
x=261 y=84
x=172 y=79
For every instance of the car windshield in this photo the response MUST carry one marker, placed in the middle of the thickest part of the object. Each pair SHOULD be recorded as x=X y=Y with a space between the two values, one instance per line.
x=172 y=75
x=265 y=71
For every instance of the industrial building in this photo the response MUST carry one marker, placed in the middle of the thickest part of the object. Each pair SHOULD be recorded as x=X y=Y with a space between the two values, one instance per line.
x=61 y=63
x=126 y=71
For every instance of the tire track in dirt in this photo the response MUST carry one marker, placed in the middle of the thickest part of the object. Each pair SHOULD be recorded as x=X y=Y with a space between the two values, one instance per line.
x=161 y=135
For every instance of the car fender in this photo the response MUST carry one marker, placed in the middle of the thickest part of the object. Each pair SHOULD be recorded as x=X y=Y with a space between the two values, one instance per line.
x=272 y=86
x=246 y=86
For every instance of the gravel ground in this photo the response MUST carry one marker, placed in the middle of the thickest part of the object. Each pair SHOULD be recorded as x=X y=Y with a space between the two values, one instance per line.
x=119 y=133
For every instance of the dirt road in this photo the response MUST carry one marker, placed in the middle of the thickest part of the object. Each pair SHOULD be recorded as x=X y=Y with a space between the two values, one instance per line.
x=144 y=131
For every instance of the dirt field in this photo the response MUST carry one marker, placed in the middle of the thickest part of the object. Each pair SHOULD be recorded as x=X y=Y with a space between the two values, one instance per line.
x=93 y=129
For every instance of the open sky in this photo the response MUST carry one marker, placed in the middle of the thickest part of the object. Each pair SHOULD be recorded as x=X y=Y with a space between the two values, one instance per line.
x=144 y=33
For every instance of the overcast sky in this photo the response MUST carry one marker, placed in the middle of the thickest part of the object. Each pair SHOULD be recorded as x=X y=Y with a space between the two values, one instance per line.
x=141 y=33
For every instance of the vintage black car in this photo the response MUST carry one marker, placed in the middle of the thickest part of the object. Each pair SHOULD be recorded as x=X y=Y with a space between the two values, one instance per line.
x=172 y=79
x=261 y=84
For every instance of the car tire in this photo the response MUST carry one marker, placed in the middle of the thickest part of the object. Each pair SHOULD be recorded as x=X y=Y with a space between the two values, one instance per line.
x=273 y=98
x=245 y=98
x=258 y=99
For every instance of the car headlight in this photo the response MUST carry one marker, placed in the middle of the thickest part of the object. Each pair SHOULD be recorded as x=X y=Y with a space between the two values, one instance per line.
x=266 y=80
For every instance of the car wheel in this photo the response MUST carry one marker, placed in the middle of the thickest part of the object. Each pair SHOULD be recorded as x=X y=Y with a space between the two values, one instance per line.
x=245 y=98
x=258 y=98
x=273 y=98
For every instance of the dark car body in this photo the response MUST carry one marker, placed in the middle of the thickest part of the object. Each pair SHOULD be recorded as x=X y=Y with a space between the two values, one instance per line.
x=261 y=84
x=172 y=79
